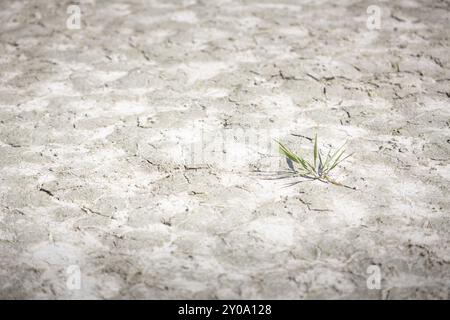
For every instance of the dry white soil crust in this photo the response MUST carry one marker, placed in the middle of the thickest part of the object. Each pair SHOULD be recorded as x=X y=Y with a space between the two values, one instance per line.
x=100 y=165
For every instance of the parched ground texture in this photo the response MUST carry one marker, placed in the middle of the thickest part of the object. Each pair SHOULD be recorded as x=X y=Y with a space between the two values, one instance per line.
x=97 y=168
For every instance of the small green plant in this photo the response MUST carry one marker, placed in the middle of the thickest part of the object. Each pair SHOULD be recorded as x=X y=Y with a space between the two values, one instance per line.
x=321 y=166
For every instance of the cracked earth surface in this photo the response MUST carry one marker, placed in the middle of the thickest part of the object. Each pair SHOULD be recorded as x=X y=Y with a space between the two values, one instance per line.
x=96 y=124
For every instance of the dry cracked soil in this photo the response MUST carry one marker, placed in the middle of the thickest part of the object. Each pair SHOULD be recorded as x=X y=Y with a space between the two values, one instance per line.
x=135 y=151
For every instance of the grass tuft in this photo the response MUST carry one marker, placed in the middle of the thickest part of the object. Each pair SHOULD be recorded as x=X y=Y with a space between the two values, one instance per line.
x=321 y=166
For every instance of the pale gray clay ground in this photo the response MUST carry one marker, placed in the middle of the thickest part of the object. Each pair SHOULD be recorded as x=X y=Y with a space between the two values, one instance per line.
x=128 y=149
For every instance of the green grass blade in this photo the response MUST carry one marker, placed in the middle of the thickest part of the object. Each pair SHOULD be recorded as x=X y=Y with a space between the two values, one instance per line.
x=327 y=160
x=320 y=166
x=339 y=161
x=330 y=159
x=337 y=152
x=315 y=151
x=311 y=168
x=334 y=162
x=289 y=154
